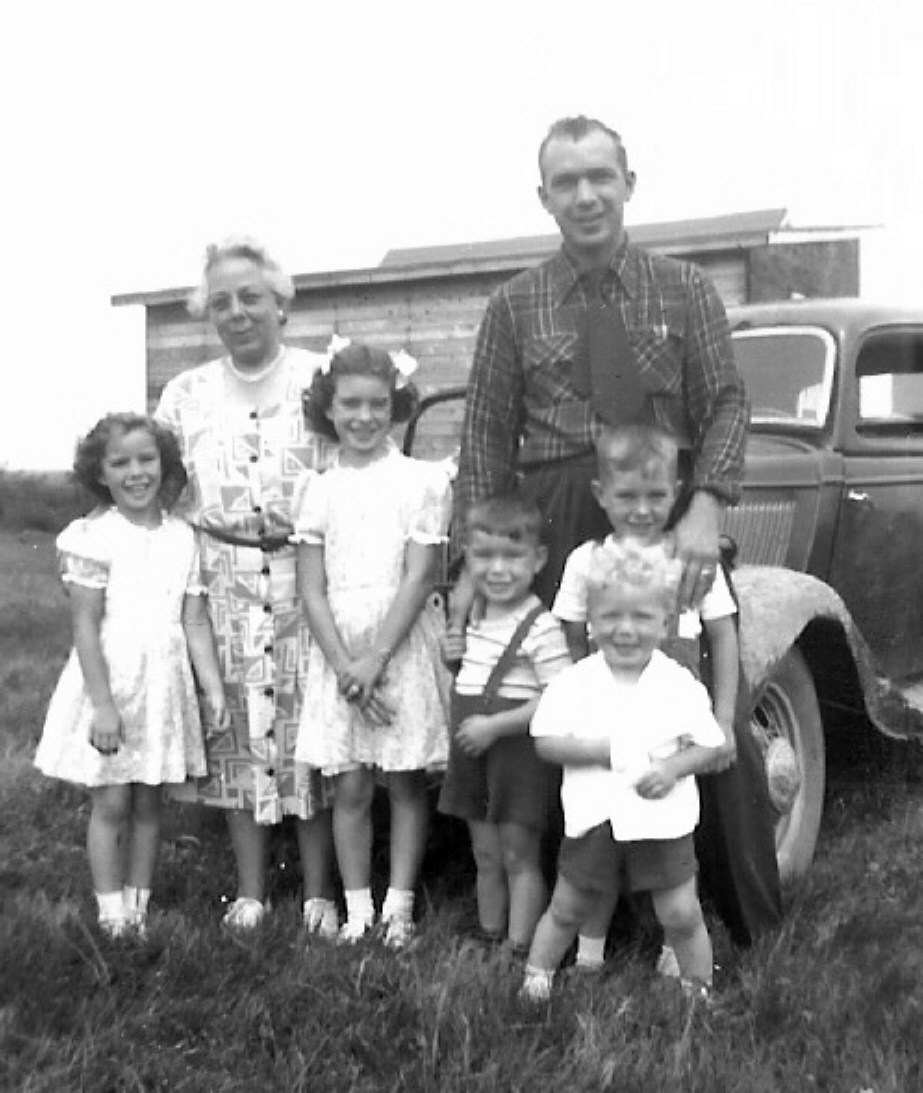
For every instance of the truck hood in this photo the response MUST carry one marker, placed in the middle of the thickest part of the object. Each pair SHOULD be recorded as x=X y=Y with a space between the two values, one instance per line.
x=790 y=483
x=785 y=451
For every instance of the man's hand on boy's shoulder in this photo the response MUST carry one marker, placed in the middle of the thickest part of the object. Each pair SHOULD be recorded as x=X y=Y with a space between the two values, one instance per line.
x=697 y=536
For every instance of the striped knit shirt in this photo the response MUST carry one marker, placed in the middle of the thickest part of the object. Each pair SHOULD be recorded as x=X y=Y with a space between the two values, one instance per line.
x=542 y=655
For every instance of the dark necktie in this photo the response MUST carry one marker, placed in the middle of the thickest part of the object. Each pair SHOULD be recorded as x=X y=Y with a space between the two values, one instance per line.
x=612 y=380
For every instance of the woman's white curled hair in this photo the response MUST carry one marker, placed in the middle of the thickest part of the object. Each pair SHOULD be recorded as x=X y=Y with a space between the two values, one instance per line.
x=241 y=246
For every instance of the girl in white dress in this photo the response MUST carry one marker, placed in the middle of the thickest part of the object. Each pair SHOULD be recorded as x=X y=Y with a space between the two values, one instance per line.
x=369 y=530
x=124 y=719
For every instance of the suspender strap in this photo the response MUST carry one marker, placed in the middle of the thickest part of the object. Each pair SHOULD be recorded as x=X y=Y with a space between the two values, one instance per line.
x=508 y=655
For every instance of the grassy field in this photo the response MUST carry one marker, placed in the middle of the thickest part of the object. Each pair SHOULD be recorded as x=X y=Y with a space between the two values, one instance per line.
x=834 y=1002
x=39 y=500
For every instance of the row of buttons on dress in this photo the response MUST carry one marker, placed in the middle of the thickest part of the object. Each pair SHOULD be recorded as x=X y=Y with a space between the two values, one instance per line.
x=265 y=573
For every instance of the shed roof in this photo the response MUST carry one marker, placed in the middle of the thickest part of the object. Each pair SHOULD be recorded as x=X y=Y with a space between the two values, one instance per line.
x=713 y=233
x=705 y=233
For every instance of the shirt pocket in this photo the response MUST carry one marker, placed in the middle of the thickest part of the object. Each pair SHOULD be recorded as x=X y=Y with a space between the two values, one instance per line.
x=548 y=366
x=659 y=355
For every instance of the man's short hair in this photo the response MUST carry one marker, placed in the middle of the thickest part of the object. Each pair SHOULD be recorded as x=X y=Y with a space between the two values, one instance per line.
x=511 y=515
x=576 y=129
x=634 y=446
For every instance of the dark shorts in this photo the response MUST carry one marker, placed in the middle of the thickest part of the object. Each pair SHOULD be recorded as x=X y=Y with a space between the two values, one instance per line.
x=595 y=862
x=507 y=784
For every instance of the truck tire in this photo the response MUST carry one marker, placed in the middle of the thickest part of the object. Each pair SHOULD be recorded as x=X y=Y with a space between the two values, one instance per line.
x=787 y=722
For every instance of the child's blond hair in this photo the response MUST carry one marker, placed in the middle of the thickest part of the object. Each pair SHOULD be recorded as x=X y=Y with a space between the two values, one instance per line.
x=627 y=563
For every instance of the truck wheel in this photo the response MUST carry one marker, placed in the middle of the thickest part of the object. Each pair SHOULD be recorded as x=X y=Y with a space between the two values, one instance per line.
x=788 y=725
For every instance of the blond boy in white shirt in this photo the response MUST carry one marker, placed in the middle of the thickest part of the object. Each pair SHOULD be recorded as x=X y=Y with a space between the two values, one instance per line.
x=630 y=728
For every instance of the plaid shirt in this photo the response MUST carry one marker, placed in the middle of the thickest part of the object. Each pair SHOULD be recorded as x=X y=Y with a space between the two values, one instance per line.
x=522 y=409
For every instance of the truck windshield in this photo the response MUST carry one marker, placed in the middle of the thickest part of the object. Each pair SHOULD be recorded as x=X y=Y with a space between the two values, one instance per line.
x=788 y=371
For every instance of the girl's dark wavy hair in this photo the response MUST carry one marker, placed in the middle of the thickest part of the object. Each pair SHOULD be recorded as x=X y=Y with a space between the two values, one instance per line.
x=91 y=450
x=356 y=359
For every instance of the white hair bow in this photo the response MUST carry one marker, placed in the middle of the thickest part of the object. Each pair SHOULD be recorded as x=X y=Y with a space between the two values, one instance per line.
x=404 y=364
x=337 y=342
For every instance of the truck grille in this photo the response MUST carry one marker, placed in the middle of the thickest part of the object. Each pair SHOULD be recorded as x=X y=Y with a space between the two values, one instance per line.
x=762 y=530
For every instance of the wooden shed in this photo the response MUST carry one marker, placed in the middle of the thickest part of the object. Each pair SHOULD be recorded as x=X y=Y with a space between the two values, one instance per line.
x=430 y=300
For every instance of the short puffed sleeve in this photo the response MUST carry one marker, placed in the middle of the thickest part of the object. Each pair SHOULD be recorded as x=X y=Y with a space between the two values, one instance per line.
x=309 y=509
x=430 y=524
x=84 y=557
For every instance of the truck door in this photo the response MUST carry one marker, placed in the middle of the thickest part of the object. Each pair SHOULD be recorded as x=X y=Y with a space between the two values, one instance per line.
x=877 y=562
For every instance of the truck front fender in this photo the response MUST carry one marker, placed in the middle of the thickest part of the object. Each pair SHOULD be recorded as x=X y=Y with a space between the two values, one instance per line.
x=778 y=606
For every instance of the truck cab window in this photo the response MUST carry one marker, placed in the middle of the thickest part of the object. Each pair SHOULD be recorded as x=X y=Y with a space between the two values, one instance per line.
x=889 y=375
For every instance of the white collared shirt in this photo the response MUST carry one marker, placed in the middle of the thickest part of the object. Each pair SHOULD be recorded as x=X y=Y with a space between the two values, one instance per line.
x=651 y=718
x=570 y=603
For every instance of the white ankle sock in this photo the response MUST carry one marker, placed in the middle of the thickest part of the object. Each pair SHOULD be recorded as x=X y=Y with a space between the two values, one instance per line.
x=110 y=905
x=545 y=976
x=591 y=950
x=359 y=906
x=136 y=900
x=398 y=904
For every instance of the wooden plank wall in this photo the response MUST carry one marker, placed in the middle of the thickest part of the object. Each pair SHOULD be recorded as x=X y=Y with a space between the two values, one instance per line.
x=728 y=272
x=434 y=319
x=809 y=269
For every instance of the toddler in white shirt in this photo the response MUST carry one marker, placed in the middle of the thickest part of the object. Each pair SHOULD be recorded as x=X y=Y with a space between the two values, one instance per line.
x=645 y=726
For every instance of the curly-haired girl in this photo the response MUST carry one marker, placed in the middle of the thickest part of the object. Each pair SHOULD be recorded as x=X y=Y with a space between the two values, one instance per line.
x=124 y=719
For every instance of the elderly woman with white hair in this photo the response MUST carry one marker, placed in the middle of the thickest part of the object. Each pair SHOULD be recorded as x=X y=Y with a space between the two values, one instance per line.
x=245 y=442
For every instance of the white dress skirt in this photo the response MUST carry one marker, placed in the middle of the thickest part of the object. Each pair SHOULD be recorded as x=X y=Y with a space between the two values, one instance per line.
x=145 y=574
x=365 y=518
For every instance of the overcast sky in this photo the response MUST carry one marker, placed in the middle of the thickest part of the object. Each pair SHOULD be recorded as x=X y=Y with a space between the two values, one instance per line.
x=135 y=133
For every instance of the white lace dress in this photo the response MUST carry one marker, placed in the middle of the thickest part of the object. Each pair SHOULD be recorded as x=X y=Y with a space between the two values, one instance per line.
x=364 y=518
x=145 y=573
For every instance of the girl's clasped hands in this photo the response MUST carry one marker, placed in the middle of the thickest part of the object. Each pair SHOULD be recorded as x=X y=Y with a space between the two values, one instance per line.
x=358 y=681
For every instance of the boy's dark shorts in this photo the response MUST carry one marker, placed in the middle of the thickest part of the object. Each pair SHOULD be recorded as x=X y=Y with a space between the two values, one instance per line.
x=506 y=784
x=596 y=863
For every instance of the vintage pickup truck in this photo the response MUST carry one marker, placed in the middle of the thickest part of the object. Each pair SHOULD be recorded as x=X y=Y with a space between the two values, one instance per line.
x=828 y=535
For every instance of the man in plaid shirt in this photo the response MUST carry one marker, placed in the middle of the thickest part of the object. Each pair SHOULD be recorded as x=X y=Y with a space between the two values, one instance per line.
x=528 y=419
x=524 y=415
